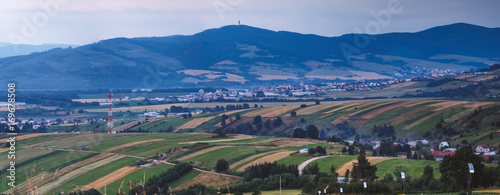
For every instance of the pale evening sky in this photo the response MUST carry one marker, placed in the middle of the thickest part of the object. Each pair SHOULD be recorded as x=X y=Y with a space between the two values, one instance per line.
x=86 y=21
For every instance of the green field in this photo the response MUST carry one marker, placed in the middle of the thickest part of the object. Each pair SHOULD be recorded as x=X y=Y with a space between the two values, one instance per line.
x=413 y=168
x=136 y=176
x=211 y=158
x=95 y=174
x=185 y=178
x=295 y=159
x=277 y=192
x=325 y=164
x=49 y=163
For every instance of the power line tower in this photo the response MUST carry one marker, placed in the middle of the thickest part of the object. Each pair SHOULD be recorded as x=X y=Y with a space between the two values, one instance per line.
x=110 y=116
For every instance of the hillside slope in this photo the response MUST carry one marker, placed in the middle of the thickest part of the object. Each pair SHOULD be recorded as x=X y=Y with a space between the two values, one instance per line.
x=243 y=55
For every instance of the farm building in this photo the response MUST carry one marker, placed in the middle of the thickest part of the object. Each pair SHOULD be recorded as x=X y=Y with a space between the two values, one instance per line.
x=482 y=149
x=443 y=145
x=304 y=150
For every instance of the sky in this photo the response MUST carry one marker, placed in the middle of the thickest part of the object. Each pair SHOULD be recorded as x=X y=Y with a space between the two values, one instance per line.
x=86 y=21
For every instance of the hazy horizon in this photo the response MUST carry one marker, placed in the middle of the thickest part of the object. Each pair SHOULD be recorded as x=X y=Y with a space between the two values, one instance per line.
x=75 y=22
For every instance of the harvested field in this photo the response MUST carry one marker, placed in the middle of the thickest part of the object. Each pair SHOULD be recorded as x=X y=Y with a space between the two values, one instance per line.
x=269 y=158
x=448 y=108
x=448 y=105
x=201 y=152
x=400 y=85
x=73 y=174
x=295 y=142
x=131 y=144
x=210 y=180
x=316 y=108
x=483 y=105
x=194 y=123
x=248 y=159
x=485 y=78
x=110 y=178
x=136 y=108
x=418 y=103
x=497 y=191
x=377 y=112
x=465 y=76
x=100 y=100
x=232 y=112
x=372 y=160
x=406 y=116
x=339 y=120
x=27 y=136
x=236 y=138
x=343 y=107
x=271 y=112
x=280 y=111
x=473 y=105
x=21 y=156
x=46 y=177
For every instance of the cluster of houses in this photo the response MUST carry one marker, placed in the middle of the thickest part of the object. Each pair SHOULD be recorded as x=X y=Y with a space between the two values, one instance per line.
x=438 y=151
x=48 y=123
x=482 y=150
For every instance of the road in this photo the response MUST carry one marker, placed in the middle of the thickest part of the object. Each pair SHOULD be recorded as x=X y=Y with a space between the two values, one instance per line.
x=304 y=164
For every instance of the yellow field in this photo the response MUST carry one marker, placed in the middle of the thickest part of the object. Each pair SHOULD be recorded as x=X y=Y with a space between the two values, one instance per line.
x=194 y=123
x=201 y=152
x=271 y=112
x=277 y=192
x=343 y=107
x=73 y=174
x=46 y=177
x=110 y=178
x=372 y=160
x=131 y=144
x=248 y=159
x=210 y=180
x=236 y=137
x=311 y=109
x=156 y=108
x=100 y=100
x=269 y=158
x=278 y=112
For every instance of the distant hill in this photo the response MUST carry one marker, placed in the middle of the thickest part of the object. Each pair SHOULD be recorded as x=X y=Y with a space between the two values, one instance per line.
x=8 y=49
x=238 y=56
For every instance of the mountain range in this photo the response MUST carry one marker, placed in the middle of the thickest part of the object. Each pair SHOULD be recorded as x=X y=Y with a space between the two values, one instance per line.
x=241 y=56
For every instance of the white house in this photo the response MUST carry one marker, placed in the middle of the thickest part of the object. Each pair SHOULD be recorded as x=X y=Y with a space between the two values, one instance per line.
x=442 y=145
x=150 y=114
x=304 y=150
x=482 y=149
